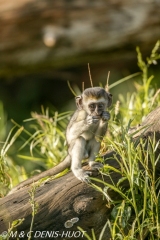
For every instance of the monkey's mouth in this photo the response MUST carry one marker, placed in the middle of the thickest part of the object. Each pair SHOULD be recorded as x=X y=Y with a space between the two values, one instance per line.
x=96 y=115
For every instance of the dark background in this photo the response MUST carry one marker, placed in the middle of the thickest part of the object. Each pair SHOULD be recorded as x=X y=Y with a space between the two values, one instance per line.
x=44 y=44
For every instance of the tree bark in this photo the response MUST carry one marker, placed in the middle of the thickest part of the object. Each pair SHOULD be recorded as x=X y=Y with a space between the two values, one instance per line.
x=65 y=198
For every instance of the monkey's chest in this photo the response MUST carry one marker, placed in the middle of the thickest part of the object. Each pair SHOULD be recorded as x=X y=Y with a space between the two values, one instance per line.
x=88 y=135
x=96 y=131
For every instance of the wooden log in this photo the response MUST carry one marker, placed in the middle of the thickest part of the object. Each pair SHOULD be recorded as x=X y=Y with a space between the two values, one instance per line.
x=59 y=201
x=66 y=198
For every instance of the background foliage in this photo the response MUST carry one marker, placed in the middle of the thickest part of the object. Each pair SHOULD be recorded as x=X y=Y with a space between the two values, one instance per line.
x=40 y=143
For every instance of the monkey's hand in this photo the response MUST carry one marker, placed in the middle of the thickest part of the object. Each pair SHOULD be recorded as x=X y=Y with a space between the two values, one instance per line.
x=105 y=116
x=92 y=119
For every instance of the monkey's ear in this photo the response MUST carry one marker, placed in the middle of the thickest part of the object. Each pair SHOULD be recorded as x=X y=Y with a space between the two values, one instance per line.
x=109 y=99
x=79 y=102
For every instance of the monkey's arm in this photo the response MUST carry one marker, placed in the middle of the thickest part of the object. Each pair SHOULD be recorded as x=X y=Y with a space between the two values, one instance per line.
x=50 y=172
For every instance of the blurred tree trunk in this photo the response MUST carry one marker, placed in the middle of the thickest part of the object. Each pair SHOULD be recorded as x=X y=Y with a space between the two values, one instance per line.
x=40 y=35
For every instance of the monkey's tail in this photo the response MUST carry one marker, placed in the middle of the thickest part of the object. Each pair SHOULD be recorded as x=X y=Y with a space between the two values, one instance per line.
x=50 y=172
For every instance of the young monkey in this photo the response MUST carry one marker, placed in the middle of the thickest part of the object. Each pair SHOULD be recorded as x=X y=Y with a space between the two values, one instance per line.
x=88 y=123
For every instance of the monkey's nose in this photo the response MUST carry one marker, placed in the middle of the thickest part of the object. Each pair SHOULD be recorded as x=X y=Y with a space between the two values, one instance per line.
x=98 y=113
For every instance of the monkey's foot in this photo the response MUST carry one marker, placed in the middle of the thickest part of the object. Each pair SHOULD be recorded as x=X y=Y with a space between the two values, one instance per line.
x=95 y=165
x=83 y=176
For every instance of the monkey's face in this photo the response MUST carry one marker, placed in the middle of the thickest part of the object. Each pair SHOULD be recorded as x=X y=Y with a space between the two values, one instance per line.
x=95 y=107
x=94 y=101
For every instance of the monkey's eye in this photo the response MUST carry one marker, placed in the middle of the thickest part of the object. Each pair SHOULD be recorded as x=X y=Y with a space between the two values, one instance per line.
x=92 y=106
x=101 y=105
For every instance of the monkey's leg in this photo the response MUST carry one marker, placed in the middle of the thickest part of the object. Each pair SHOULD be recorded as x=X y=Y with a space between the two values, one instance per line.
x=77 y=153
x=94 y=149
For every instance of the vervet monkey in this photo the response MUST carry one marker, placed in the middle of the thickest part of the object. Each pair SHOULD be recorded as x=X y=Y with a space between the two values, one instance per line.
x=87 y=125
